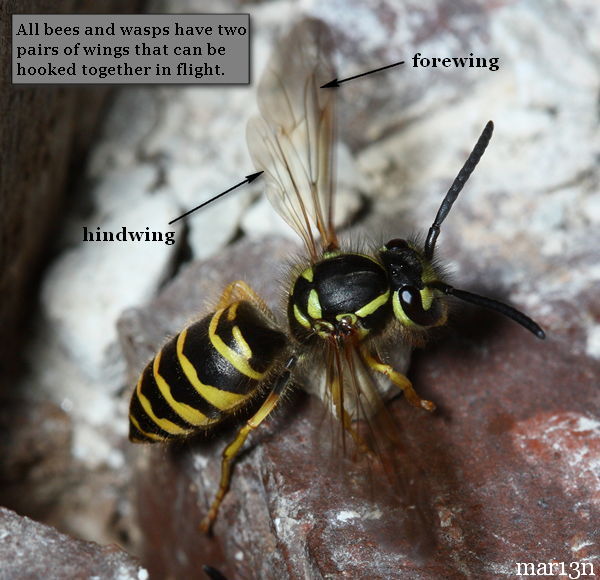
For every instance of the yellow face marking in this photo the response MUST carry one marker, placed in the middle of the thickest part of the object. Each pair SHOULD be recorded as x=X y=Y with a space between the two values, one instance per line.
x=186 y=412
x=232 y=312
x=352 y=317
x=308 y=274
x=164 y=424
x=222 y=400
x=149 y=435
x=301 y=318
x=372 y=306
x=314 y=306
x=237 y=360
x=426 y=298
x=324 y=329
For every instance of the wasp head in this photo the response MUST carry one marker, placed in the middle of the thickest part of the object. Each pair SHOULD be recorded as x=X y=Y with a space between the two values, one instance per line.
x=415 y=302
x=418 y=297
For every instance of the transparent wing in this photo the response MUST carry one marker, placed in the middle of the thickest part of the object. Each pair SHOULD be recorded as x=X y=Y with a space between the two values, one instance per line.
x=293 y=139
x=352 y=394
x=369 y=435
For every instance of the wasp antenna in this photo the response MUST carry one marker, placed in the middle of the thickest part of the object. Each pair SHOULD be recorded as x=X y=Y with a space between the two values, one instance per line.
x=500 y=307
x=455 y=189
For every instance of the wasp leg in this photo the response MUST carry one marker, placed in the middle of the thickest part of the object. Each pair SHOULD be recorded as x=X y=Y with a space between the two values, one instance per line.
x=232 y=450
x=359 y=441
x=239 y=290
x=346 y=420
x=398 y=379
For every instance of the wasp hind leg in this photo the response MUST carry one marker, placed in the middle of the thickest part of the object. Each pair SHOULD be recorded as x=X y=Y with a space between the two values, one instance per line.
x=232 y=450
x=398 y=379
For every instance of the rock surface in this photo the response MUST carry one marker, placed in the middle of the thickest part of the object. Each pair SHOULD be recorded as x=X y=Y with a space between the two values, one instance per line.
x=507 y=468
x=508 y=453
x=35 y=456
x=513 y=447
x=32 y=551
x=44 y=131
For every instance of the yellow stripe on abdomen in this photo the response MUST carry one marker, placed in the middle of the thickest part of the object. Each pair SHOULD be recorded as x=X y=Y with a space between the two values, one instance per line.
x=238 y=361
x=187 y=413
x=164 y=424
x=153 y=436
x=222 y=400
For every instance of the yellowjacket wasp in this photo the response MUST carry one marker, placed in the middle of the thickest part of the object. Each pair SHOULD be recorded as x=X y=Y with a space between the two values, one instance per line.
x=340 y=302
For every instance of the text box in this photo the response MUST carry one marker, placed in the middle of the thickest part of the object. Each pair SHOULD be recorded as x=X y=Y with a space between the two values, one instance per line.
x=131 y=49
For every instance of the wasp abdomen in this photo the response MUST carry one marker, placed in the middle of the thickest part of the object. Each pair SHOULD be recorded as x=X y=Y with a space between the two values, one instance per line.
x=210 y=368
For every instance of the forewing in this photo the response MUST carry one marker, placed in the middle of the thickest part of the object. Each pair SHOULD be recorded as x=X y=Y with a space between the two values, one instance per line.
x=292 y=141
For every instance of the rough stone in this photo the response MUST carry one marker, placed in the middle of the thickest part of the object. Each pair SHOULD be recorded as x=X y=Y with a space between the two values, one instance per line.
x=30 y=550
x=506 y=469
x=47 y=132
x=525 y=230
x=84 y=333
x=508 y=453
x=35 y=456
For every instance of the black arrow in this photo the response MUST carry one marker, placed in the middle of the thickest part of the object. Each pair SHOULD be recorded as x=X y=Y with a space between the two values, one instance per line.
x=249 y=179
x=335 y=83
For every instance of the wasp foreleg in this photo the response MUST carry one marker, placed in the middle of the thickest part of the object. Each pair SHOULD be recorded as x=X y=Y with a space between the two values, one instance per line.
x=398 y=379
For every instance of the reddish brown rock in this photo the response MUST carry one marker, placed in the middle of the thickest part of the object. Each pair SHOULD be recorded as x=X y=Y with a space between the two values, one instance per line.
x=505 y=470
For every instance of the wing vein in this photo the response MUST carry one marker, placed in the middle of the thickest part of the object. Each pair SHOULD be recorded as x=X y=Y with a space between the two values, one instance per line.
x=293 y=140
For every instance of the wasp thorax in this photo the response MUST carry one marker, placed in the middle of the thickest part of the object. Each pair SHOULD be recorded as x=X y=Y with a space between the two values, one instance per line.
x=339 y=296
x=414 y=302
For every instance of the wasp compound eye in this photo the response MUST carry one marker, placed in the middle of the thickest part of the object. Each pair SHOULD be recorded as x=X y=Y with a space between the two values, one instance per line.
x=408 y=304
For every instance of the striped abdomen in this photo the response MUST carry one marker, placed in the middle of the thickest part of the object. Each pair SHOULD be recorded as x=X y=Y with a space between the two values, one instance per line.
x=210 y=368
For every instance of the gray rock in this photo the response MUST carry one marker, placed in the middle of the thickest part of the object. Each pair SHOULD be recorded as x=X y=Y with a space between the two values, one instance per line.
x=78 y=278
x=524 y=230
x=48 y=130
x=35 y=456
x=483 y=476
x=32 y=551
